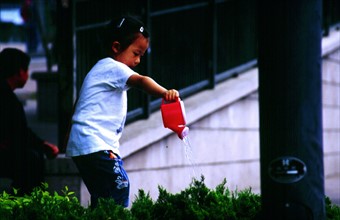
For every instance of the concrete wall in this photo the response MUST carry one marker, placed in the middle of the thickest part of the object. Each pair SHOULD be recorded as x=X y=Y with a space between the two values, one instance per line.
x=224 y=144
x=224 y=137
x=331 y=123
x=225 y=141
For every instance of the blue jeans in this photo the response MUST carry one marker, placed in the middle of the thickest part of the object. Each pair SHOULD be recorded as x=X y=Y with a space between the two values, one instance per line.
x=104 y=177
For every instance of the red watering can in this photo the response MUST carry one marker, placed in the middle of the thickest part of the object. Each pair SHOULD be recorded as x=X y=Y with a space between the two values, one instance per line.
x=173 y=115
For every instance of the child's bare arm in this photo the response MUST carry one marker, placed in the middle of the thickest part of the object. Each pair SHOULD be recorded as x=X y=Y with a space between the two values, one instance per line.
x=148 y=85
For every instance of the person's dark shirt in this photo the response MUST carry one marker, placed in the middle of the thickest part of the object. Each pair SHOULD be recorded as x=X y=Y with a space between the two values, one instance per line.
x=15 y=135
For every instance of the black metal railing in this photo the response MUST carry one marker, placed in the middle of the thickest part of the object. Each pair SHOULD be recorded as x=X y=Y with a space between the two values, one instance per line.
x=194 y=43
x=331 y=15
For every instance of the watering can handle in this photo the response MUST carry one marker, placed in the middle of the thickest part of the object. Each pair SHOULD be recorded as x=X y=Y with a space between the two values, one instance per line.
x=177 y=100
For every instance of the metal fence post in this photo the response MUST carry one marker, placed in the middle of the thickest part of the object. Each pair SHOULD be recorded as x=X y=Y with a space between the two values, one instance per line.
x=147 y=98
x=212 y=55
x=65 y=68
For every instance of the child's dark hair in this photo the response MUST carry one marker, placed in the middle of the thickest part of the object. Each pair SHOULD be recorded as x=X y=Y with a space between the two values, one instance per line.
x=125 y=30
x=11 y=61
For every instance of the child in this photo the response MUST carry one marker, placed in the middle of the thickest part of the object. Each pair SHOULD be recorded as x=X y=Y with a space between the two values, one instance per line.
x=100 y=112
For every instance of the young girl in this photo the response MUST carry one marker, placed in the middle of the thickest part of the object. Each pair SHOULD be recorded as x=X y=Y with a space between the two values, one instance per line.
x=100 y=112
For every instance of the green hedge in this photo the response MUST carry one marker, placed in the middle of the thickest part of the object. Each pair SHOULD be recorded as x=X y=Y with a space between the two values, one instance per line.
x=195 y=202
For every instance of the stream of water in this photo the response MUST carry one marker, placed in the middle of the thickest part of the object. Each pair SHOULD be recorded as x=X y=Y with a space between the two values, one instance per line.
x=196 y=171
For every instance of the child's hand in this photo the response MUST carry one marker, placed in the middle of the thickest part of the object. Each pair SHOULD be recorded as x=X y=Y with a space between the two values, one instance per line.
x=171 y=95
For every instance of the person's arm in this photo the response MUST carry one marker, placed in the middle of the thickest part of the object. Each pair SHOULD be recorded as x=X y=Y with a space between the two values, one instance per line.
x=148 y=85
x=51 y=151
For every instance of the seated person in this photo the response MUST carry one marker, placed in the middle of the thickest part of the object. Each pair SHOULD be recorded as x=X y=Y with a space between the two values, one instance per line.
x=21 y=150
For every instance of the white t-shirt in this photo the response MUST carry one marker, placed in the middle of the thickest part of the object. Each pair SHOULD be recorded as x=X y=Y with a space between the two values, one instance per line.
x=100 y=113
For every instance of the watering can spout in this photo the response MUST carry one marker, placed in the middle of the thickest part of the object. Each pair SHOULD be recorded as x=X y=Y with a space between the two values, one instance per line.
x=173 y=115
x=181 y=130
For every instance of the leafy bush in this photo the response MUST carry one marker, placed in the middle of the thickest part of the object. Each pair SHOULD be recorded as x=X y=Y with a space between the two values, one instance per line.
x=332 y=210
x=143 y=206
x=197 y=202
x=40 y=204
x=108 y=209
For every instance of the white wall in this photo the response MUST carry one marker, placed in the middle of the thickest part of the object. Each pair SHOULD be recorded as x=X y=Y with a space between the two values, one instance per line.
x=225 y=143
x=331 y=123
x=224 y=137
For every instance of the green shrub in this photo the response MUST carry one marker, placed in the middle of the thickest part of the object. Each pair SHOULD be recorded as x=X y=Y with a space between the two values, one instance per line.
x=40 y=205
x=108 y=209
x=143 y=206
x=197 y=202
x=332 y=210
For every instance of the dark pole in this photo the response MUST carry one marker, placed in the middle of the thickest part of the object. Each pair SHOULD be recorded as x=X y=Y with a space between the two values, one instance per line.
x=291 y=151
x=148 y=64
x=65 y=68
x=212 y=49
